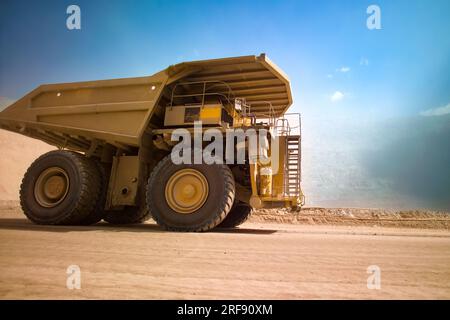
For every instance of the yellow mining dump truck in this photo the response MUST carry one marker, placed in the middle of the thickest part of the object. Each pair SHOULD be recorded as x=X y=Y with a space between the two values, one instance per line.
x=115 y=141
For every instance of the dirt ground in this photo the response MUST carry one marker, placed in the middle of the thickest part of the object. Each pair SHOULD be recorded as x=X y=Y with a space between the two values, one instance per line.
x=259 y=260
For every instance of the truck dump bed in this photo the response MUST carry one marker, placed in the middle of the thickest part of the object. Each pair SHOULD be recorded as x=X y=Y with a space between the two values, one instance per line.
x=80 y=114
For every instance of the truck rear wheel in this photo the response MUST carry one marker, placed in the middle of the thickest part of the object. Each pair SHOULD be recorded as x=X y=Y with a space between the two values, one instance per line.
x=190 y=197
x=237 y=215
x=60 y=187
x=99 y=211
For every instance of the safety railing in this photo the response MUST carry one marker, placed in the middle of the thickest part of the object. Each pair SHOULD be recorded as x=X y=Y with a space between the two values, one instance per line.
x=206 y=89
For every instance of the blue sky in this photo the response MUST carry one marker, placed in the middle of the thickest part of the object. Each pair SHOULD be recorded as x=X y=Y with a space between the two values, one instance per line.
x=392 y=74
x=406 y=63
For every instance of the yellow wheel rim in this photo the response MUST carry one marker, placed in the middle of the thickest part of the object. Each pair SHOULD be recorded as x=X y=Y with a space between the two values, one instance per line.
x=186 y=191
x=51 y=187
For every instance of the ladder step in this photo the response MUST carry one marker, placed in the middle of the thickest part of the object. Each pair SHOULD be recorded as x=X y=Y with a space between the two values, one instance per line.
x=292 y=166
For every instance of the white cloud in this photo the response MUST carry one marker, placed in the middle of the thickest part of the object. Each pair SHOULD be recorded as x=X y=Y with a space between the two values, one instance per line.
x=329 y=76
x=343 y=69
x=337 y=96
x=364 y=62
x=436 y=111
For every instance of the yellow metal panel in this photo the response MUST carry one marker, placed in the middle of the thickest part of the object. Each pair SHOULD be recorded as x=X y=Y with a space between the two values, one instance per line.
x=208 y=114
x=211 y=113
x=278 y=178
x=113 y=122
x=123 y=184
x=174 y=116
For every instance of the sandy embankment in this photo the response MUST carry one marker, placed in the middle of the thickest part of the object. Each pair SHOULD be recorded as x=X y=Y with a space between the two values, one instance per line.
x=17 y=152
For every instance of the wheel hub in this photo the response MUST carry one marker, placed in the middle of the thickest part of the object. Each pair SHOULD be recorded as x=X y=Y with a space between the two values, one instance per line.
x=186 y=191
x=51 y=187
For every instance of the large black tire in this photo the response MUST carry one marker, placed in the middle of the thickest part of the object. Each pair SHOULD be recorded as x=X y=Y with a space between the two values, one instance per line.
x=83 y=191
x=237 y=215
x=99 y=211
x=218 y=202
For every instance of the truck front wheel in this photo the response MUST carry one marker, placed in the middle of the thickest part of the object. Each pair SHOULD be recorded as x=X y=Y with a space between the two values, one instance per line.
x=60 y=187
x=190 y=197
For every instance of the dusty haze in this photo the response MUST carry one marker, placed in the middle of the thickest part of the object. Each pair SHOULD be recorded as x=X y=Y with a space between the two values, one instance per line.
x=17 y=153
